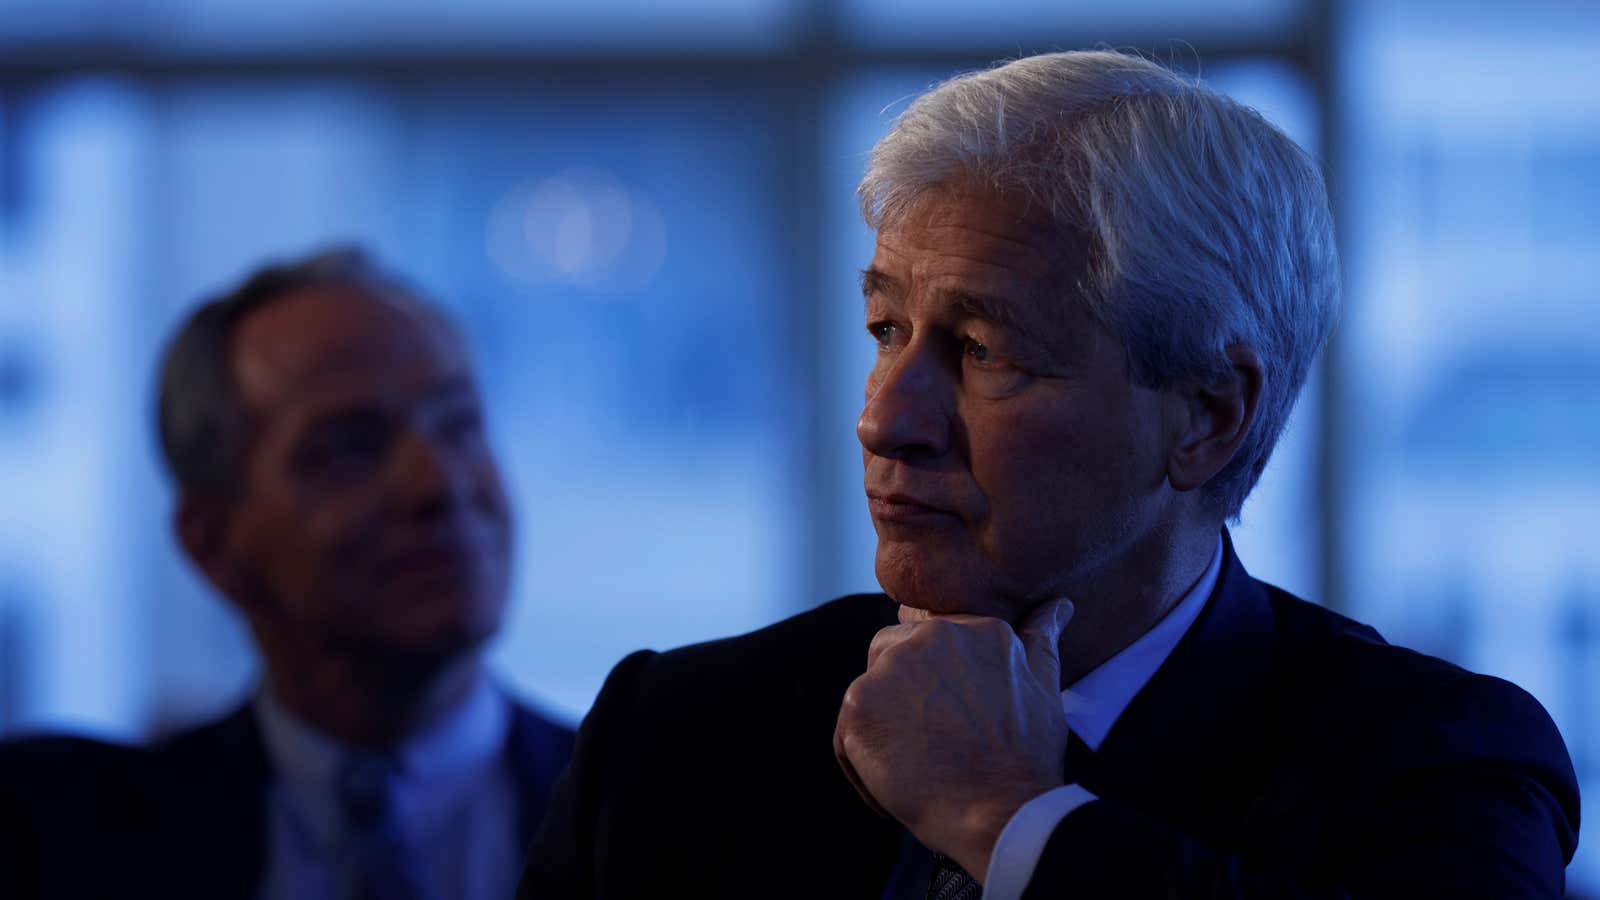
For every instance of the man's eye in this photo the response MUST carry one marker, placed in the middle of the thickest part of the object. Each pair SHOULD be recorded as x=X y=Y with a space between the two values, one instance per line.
x=882 y=332
x=976 y=350
x=344 y=450
x=462 y=425
x=347 y=444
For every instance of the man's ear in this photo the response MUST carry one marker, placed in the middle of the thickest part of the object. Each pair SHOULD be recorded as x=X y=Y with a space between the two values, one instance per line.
x=1216 y=418
x=203 y=523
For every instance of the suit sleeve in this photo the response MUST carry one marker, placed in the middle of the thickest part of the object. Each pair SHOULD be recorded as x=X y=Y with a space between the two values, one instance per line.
x=561 y=861
x=1477 y=800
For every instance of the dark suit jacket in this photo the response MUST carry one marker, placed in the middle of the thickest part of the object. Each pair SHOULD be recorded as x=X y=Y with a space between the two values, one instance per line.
x=1281 y=751
x=81 y=818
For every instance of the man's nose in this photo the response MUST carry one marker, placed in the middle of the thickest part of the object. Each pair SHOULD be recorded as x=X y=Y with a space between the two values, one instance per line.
x=907 y=414
x=428 y=476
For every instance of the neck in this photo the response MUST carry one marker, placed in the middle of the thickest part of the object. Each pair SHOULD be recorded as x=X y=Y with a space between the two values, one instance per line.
x=370 y=702
x=1126 y=598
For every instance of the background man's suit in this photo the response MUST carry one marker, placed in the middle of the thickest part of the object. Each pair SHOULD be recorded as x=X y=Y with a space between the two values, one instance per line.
x=1282 y=750
x=80 y=818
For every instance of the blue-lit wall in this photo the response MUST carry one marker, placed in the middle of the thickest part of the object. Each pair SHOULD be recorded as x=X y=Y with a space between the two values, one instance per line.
x=642 y=213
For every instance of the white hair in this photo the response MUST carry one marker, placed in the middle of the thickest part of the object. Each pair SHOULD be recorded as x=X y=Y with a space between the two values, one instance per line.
x=1190 y=223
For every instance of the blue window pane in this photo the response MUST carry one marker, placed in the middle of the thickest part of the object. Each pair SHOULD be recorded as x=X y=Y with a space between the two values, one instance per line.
x=73 y=579
x=1471 y=341
x=300 y=26
x=624 y=274
x=1045 y=23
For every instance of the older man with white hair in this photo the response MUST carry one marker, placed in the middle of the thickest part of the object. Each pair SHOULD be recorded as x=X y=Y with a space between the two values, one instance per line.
x=1097 y=289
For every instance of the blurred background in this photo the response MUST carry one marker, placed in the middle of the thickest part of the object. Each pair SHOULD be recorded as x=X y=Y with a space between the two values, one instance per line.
x=642 y=213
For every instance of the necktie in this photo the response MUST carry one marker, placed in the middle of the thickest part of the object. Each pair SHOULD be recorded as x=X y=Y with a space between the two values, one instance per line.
x=951 y=882
x=379 y=865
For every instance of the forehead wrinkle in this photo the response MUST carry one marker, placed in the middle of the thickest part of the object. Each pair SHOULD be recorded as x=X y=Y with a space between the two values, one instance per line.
x=979 y=301
x=1018 y=259
x=1030 y=241
x=1027 y=240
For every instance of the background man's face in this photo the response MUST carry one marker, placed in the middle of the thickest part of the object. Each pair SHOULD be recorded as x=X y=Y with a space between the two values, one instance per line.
x=373 y=514
x=1008 y=455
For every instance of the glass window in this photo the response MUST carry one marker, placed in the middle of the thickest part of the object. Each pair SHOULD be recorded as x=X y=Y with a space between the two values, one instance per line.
x=626 y=278
x=307 y=26
x=72 y=560
x=1469 y=356
x=1041 y=23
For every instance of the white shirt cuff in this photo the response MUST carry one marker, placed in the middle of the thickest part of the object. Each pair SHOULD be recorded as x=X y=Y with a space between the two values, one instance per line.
x=1022 y=841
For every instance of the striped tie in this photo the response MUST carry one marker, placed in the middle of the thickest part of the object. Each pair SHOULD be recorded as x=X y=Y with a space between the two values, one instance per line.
x=951 y=882
x=380 y=866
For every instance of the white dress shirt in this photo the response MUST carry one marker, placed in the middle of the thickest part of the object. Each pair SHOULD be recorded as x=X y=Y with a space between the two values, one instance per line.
x=1093 y=704
x=454 y=802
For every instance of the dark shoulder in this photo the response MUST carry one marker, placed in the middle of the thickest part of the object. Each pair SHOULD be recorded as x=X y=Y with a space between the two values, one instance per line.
x=1414 y=709
x=788 y=675
x=1321 y=648
x=804 y=652
x=56 y=787
x=848 y=620
x=47 y=763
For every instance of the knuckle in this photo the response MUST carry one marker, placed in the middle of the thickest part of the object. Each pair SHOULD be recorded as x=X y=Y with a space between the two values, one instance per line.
x=852 y=699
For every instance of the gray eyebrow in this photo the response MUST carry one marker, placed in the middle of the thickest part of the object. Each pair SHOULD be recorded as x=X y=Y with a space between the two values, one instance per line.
x=989 y=309
x=876 y=281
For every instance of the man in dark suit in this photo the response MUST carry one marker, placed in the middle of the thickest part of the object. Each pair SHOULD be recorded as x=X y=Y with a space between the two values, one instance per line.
x=1097 y=290
x=336 y=486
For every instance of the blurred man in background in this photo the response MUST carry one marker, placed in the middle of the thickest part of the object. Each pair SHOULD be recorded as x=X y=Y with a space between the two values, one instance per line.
x=1097 y=290
x=336 y=486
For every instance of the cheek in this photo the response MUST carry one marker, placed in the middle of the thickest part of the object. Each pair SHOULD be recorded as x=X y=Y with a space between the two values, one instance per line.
x=492 y=488
x=337 y=534
x=1016 y=452
x=1050 y=476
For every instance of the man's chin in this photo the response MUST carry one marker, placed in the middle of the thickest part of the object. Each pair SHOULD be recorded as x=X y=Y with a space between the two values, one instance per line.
x=439 y=643
x=926 y=583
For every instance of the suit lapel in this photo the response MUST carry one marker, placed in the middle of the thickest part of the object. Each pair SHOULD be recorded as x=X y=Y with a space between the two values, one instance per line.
x=538 y=751
x=1191 y=747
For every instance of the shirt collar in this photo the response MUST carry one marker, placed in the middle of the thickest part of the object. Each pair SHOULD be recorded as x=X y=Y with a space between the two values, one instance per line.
x=1094 y=702
x=435 y=760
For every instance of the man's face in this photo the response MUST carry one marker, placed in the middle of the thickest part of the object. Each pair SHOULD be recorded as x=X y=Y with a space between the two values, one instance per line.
x=372 y=515
x=1009 y=457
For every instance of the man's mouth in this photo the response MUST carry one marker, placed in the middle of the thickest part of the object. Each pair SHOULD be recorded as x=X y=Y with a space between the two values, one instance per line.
x=435 y=558
x=898 y=507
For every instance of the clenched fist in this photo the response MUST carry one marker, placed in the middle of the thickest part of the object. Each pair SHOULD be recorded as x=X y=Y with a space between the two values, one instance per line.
x=955 y=724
